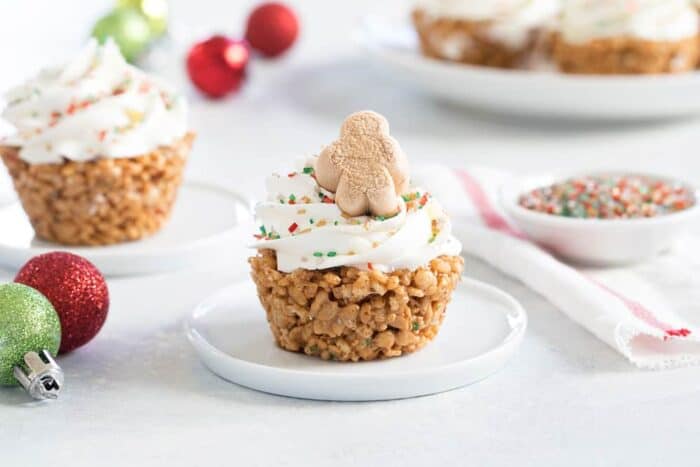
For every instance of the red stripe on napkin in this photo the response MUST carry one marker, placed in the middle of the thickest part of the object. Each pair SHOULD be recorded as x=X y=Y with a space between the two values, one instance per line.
x=644 y=314
x=486 y=211
x=492 y=219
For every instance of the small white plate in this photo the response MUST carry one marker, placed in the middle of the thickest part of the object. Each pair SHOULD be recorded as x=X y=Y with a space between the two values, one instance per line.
x=596 y=242
x=525 y=92
x=482 y=330
x=203 y=218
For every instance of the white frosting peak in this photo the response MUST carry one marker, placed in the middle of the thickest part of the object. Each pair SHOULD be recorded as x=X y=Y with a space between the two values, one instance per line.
x=656 y=20
x=300 y=221
x=511 y=21
x=95 y=106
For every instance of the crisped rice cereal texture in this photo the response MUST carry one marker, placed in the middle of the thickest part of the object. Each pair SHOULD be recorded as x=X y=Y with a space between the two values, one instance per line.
x=626 y=55
x=348 y=314
x=459 y=40
x=99 y=202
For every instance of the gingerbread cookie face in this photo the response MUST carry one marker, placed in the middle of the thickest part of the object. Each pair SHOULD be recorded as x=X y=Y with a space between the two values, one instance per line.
x=365 y=167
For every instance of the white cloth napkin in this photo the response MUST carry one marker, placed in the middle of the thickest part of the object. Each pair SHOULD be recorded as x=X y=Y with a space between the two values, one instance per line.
x=643 y=311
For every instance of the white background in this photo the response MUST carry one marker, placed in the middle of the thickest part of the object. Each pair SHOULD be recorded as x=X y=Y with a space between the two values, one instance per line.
x=137 y=394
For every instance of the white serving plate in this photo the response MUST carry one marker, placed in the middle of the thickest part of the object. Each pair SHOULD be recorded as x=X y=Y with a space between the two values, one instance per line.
x=596 y=242
x=482 y=331
x=525 y=92
x=203 y=220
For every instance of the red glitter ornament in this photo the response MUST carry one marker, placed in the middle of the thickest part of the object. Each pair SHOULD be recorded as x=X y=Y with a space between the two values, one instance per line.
x=76 y=289
x=217 y=65
x=272 y=28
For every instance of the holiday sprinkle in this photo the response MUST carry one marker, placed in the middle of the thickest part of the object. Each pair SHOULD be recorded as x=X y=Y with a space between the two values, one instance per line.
x=609 y=197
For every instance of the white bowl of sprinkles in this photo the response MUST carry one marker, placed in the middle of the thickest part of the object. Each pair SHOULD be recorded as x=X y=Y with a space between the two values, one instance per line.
x=602 y=218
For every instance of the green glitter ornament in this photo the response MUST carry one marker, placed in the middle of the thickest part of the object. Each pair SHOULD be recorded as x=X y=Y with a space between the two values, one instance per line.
x=129 y=29
x=30 y=332
x=155 y=11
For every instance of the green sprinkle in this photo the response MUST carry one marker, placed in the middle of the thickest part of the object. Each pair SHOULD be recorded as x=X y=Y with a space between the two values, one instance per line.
x=311 y=221
x=335 y=223
x=318 y=254
x=332 y=253
x=262 y=230
x=381 y=218
x=415 y=326
x=292 y=197
x=308 y=170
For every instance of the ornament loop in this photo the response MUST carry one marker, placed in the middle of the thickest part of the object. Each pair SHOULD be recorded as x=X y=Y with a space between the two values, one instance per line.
x=44 y=378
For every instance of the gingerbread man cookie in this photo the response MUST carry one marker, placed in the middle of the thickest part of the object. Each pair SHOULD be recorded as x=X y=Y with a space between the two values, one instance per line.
x=365 y=167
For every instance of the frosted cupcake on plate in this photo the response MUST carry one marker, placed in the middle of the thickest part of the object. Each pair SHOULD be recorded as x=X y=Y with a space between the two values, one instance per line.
x=353 y=262
x=627 y=37
x=99 y=149
x=496 y=33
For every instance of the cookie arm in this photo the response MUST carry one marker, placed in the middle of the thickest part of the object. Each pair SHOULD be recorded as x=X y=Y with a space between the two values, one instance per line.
x=327 y=173
x=397 y=165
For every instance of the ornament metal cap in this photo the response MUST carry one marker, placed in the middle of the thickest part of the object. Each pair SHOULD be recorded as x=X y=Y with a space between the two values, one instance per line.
x=44 y=378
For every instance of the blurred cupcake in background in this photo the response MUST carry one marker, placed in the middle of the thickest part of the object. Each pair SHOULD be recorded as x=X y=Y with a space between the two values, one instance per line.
x=99 y=149
x=496 y=33
x=627 y=37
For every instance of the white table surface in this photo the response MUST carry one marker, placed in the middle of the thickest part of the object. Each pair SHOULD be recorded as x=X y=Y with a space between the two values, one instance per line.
x=138 y=396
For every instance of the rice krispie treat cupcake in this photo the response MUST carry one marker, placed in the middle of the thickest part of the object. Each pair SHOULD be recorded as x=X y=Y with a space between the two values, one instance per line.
x=354 y=263
x=627 y=37
x=497 y=33
x=99 y=149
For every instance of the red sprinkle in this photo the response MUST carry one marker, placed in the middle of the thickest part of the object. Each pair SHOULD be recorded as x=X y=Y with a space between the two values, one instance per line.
x=369 y=266
x=293 y=227
x=101 y=135
x=54 y=118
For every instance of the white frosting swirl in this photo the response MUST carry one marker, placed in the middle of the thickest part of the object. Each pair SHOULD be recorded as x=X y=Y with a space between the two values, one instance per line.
x=95 y=106
x=656 y=20
x=512 y=21
x=300 y=221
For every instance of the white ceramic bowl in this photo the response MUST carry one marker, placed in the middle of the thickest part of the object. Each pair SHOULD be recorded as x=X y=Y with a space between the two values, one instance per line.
x=596 y=242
